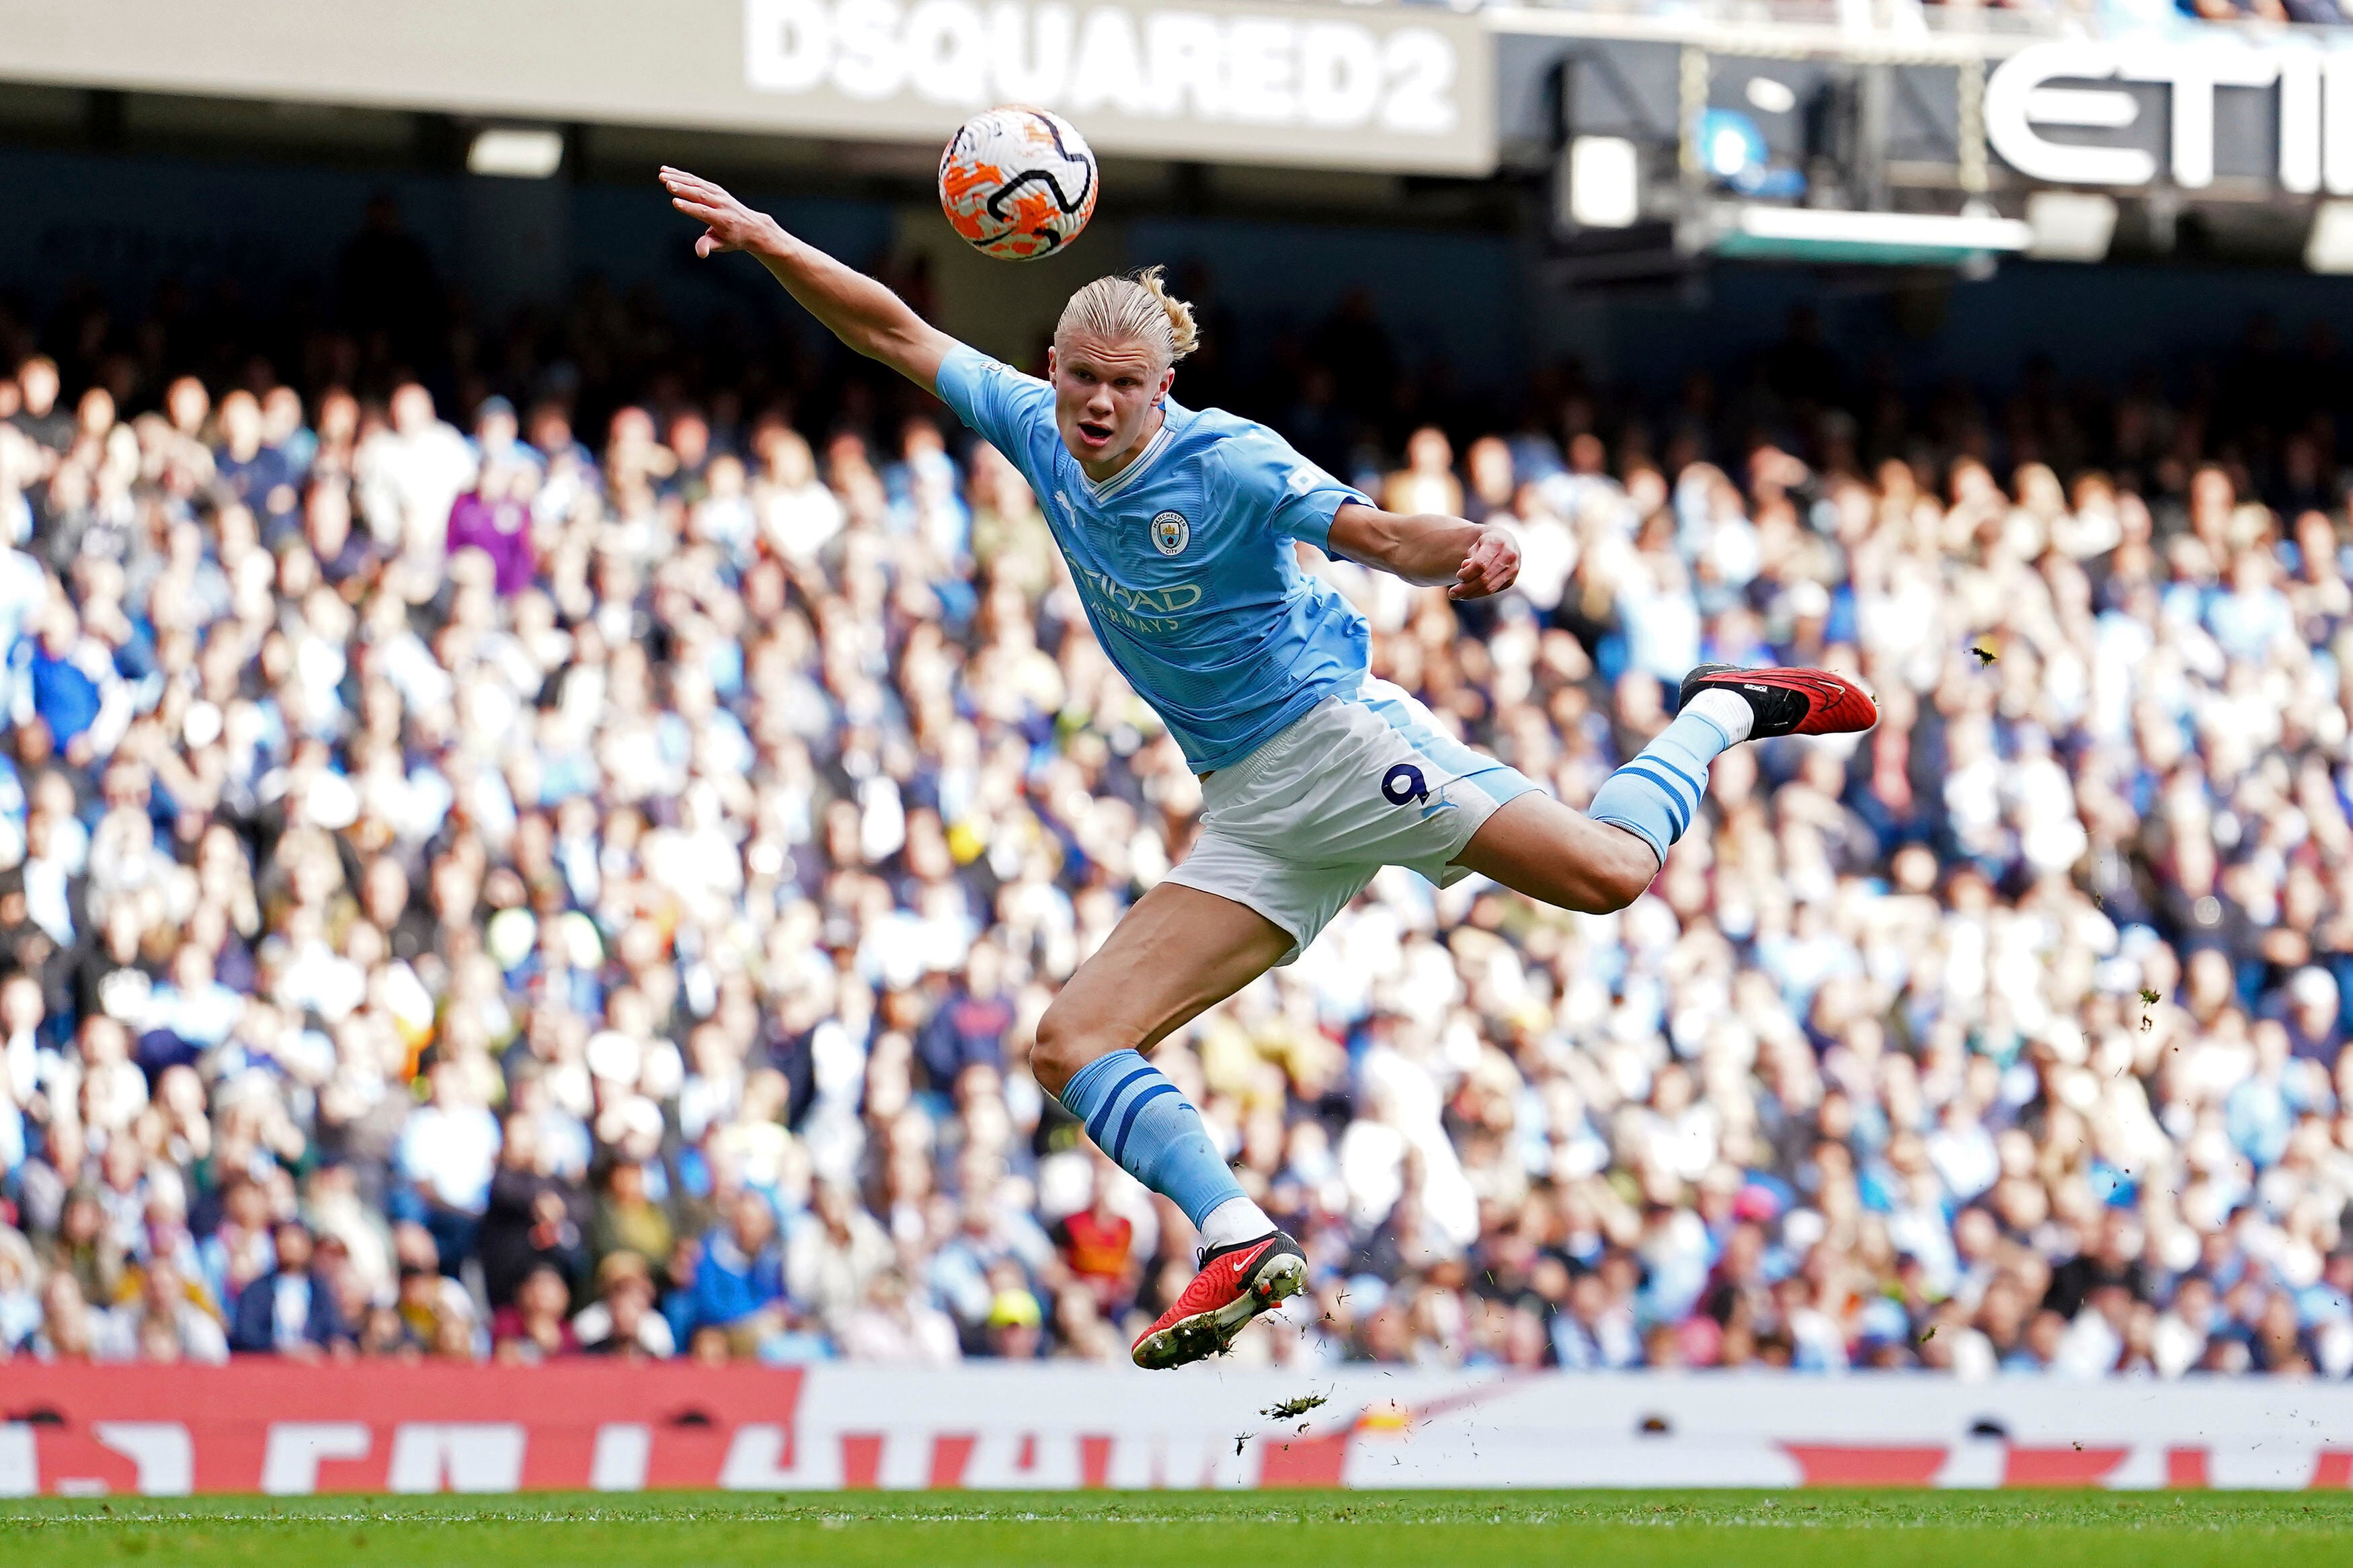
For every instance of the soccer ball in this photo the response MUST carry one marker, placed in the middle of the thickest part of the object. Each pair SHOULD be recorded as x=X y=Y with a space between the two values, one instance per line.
x=1019 y=184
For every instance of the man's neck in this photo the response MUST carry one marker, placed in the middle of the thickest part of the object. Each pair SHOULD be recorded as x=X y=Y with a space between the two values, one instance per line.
x=1112 y=467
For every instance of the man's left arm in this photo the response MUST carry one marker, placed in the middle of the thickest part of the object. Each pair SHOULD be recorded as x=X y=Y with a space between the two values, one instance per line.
x=1473 y=560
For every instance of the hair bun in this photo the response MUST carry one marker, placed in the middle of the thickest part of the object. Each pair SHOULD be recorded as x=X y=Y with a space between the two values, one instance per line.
x=1135 y=306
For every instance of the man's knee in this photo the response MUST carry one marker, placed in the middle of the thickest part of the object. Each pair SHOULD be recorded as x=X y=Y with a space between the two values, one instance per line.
x=1611 y=869
x=1067 y=1042
x=1626 y=872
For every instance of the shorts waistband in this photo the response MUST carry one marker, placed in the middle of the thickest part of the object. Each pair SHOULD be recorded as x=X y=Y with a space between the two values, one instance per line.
x=1274 y=748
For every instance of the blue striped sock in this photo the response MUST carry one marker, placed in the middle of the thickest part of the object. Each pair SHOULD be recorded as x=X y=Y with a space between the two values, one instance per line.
x=1656 y=795
x=1139 y=1118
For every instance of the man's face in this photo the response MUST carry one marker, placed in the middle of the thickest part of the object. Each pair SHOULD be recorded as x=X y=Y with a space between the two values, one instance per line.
x=1104 y=392
x=187 y=403
x=629 y=1300
x=20 y=1003
x=752 y=1223
x=411 y=409
x=386 y=890
x=293 y=1250
x=163 y=1287
x=41 y=388
x=241 y=421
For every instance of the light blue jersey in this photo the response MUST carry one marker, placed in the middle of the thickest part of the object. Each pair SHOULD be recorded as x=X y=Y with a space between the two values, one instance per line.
x=1183 y=560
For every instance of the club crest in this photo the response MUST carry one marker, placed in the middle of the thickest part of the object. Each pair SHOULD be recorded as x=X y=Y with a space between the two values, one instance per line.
x=1171 y=532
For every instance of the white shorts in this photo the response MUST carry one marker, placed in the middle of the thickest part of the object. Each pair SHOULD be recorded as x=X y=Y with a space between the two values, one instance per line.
x=1358 y=782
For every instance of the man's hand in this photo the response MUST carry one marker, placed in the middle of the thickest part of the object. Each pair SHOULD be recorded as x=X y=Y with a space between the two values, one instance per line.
x=1427 y=549
x=729 y=224
x=853 y=306
x=1491 y=565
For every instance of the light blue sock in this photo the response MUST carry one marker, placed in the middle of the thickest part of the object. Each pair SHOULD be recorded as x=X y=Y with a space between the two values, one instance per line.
x=1139 y=1118
x=1655 y=796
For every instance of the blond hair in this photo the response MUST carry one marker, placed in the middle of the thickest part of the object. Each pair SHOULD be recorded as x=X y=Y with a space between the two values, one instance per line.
x=1135 y=306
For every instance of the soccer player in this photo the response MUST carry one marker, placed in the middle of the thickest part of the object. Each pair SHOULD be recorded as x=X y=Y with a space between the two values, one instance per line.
x=1178 y=524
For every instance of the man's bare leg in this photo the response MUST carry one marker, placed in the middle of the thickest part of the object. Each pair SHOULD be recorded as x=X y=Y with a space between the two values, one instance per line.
x=1601 y=860
x=1535 y=846
x=1178 y=952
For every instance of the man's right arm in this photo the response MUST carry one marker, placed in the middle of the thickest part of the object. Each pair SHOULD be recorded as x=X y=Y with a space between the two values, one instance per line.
x=855 y=307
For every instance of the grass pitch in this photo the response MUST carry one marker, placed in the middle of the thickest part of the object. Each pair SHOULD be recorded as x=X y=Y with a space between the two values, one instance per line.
x=1143 y=1529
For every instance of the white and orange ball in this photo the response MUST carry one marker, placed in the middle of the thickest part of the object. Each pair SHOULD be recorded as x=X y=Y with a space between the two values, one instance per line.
x=1017 y=184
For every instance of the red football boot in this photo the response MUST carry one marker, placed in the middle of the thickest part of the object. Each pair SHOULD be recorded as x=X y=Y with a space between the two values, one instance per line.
x=1236 y=1284
x=1788 y=702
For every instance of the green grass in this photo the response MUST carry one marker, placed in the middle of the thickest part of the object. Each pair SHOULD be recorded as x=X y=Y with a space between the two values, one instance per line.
x=1139 y=1530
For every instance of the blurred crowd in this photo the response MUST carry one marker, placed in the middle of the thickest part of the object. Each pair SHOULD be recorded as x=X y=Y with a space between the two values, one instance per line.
x=2062 y=17
x=574 y=875
x=2312 y=12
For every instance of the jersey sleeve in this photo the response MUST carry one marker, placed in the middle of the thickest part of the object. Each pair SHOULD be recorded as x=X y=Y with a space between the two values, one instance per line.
x=992 y=397
x=1266 y=478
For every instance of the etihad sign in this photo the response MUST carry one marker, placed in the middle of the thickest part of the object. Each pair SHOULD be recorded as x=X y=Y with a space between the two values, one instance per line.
x=2048 y=86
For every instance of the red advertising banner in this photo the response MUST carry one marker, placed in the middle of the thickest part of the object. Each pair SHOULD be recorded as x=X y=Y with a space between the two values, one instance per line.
x=284 y=1428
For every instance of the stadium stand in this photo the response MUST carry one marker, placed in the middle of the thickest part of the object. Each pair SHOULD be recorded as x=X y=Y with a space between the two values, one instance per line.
x=584 y=882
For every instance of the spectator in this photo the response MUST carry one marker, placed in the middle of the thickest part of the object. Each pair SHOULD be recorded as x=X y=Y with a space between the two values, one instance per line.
x=72 y=1327
x=529 y=1222
x=1015 y=1324
x=423 y=1298
x=891 y=1328
x=38 y=416
x=411 y=474
x=738 y=1279
x=457 y=1333
x=628 y=1219
x=969 y=1026
x=495 y=518
x=2315 y=1018
x=259 y=476
x=2112 y=1262
x=240 y=1248
x=169 y=1323
x=834 y=1255
x=622 y=1320
x=86 y=1247
x=535 y=1325
x=69 y=677
x=1427 y=482
x=448 y=1149
x=1097 y=1245
x=290 y=1311
x=20 y=1302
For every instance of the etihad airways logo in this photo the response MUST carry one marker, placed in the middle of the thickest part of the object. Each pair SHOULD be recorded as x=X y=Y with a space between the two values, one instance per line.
x=1152 y=611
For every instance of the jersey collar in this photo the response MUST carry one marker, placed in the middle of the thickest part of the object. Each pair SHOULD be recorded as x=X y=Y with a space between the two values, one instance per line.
x=1143 y=459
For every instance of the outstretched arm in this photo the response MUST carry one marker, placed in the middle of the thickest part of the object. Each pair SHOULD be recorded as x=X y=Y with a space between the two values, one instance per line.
x=856 y=309
x=1473 y=560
